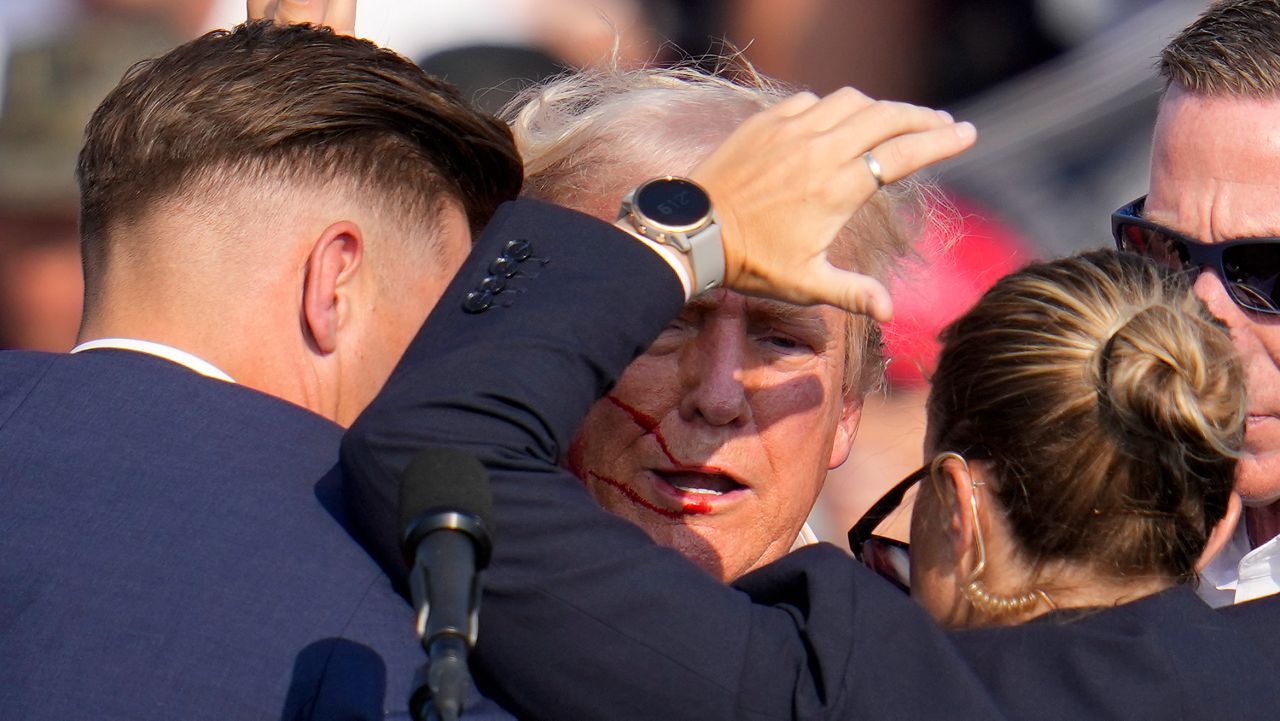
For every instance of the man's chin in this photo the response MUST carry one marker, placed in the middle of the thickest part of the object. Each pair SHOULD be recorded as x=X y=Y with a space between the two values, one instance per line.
x=1258 y=478
x=691 y=543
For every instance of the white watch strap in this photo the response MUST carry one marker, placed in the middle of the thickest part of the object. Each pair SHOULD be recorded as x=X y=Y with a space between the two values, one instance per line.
x=707 y=258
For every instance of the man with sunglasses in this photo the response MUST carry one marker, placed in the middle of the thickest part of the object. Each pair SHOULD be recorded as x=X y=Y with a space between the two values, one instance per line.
x=1214 y=210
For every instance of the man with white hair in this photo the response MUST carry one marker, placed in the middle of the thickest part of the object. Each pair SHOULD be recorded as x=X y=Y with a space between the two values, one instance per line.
x=716 y=441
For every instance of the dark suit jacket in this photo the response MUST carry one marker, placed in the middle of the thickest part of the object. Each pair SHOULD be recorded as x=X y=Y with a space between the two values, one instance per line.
x=584 y=618
x=174 y=547
x=1166 y=656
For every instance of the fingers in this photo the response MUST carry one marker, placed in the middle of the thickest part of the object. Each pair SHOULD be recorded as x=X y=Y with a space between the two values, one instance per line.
x=337 y=14
x=850 y=291
x=836 y=108
x=260 y=9
x=879 y=122
x=788 y=179
x=292 y=12
x=794 y=105
x=341 y=16
x=843 y=126
x=905 y=154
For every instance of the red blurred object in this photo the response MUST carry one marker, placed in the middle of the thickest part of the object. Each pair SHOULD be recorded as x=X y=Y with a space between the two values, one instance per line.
x=961 y=258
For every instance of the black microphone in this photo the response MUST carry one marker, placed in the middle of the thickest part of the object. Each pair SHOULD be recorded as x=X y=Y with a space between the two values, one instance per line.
x=445 y=511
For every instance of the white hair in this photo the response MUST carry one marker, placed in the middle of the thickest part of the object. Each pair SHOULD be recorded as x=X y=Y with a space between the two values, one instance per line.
x=589 y=137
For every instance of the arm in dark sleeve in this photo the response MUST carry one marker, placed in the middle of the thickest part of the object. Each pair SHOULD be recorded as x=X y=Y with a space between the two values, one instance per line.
x=583 y=617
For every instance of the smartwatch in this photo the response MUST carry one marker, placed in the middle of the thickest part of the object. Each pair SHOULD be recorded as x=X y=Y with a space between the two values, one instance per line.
x=676 y=212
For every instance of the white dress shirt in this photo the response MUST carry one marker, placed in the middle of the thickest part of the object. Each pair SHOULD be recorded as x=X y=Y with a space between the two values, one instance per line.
x=160 y=350
x=1238 y=573
x=806 y=538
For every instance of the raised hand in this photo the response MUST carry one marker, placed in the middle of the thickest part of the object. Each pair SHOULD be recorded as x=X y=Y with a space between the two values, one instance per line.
x=337 y=14
x=789 y=178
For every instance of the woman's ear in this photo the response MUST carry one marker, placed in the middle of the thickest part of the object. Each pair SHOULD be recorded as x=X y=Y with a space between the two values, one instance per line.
x=1221 y=533
x=955 y=480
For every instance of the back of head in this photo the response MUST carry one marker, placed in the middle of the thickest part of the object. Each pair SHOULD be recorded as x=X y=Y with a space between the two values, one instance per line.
x=296 y=106
x=1232 y=49
x=1111 y=405
x=589 y=137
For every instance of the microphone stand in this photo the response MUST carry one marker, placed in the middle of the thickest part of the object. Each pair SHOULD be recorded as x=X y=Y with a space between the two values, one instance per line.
x=449 y=620
x=445 y=506
x=441 y=681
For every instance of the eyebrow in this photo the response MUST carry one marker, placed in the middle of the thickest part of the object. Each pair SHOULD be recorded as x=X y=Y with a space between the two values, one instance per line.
x=761 y=308
x=758 y=310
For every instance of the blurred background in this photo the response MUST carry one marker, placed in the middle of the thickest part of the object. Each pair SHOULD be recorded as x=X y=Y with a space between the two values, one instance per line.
x=1063 y=93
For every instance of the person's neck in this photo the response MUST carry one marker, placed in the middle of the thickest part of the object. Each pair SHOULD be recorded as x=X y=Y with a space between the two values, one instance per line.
x=1096 y=592
x=269 y=360
x=1262 y=523
x=1072 y=587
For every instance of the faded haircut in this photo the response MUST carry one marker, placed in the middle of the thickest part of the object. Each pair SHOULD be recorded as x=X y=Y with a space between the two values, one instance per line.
x=294 y=104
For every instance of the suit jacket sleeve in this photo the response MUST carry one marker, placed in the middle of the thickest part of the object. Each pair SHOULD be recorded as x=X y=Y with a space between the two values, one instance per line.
x=583 y=617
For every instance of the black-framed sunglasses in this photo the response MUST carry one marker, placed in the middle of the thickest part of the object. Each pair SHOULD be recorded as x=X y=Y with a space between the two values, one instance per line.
x=1249 y=267
x=888 y=557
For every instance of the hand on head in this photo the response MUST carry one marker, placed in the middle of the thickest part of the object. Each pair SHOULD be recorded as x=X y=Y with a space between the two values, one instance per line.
x=337 y=14
x=789 y=178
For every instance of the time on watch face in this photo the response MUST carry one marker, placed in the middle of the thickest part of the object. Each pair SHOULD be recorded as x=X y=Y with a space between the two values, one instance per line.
x=675 y=203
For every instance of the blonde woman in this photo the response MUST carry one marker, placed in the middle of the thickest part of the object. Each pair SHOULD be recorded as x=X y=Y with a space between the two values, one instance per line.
x=1084 y=425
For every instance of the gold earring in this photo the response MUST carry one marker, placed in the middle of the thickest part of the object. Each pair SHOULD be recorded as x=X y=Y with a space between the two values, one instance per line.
x=995 y=606
x=978 y=596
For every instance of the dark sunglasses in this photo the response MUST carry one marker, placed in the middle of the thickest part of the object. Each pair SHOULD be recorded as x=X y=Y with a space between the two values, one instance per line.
x=888 y=557
x=1249 y=267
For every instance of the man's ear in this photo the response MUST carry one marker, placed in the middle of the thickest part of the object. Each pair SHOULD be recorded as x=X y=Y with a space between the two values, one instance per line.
x=335 y=257
x=1221 y=533
x=846 y=429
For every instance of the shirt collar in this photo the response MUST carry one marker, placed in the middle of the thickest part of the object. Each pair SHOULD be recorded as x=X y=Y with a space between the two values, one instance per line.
x=160 y=350
x=1239 y=573
x=806 y=537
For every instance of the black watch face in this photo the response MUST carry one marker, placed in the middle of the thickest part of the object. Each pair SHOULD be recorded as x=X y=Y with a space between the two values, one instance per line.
x=673 y=203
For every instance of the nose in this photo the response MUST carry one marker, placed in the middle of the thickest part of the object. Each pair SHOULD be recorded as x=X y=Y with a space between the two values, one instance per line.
x=1210 y=289
x=711 y=375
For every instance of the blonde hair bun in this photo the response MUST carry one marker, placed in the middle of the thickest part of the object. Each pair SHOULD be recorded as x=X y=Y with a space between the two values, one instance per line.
x=1112 y=406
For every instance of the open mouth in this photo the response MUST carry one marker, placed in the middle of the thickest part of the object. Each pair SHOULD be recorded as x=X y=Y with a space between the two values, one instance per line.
x=698 y=483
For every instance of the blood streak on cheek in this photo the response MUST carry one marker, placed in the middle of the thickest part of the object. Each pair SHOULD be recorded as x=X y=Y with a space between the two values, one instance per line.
x=692 y=508
x=645 y=422
x=650 y=426
x=635 y=498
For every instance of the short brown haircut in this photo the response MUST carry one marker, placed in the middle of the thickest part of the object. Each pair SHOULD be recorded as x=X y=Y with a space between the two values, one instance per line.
x=1232 y=49
x=1111 y=406
x=294 y=103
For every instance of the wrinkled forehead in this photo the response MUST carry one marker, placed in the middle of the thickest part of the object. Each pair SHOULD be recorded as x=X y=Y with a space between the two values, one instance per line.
x=723 y=300
x=1215 y=168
